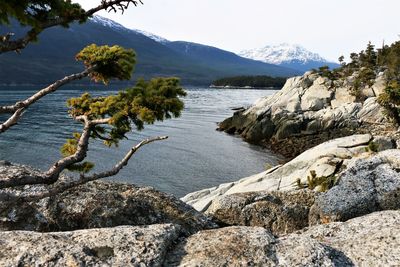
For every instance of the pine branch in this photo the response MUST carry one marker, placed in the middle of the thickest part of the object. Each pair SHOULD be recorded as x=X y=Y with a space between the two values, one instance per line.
x=7 y=45
x=52 y=175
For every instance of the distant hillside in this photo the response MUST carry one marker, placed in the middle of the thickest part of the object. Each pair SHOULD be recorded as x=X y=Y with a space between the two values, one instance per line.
x=53 y=56
x=250 y=81
x=288 y=55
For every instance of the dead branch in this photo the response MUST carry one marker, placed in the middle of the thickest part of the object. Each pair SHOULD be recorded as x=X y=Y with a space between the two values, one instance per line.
x=18 y=108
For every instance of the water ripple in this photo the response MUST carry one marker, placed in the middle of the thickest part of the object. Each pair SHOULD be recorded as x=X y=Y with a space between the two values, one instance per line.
x=194 y=157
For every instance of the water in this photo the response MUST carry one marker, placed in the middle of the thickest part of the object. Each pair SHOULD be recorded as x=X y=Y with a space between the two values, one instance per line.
x=195 y=156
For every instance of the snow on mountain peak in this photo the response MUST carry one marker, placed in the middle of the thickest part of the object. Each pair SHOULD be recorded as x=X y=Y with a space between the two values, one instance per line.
x=155 y=37
x=114 y=25
x=107 y=22
x=282 y=53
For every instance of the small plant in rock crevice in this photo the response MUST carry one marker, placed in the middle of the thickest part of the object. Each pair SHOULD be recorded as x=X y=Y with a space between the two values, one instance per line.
x=320 y=184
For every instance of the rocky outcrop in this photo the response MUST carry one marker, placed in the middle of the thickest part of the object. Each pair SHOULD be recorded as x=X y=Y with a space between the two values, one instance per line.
x=98 y=204
x=367 y=185
x=371 y=240
x=119 y=246
x=307 y=111
x=327 y=159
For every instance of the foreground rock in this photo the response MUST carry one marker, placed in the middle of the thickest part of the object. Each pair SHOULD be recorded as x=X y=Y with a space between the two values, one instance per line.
x=371 y=240
x=251 y=246
x=96 y=205
x=232 y=246
x=327 y=159
x=120 y=246
x=307 y=111
x=279 y=212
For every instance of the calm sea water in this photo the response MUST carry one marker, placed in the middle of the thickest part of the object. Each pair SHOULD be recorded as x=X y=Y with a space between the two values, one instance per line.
x=195 y=156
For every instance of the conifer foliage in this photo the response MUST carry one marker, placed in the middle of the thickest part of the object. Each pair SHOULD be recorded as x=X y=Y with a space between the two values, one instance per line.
x=108 y=62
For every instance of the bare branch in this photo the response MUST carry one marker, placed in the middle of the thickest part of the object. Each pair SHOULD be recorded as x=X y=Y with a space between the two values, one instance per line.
x=18 y=108
x=7 y=45
x=124 y=161
x=45 y=91
x=100 y=121
x=66 y=185
x=13 y=120
x=110 y=6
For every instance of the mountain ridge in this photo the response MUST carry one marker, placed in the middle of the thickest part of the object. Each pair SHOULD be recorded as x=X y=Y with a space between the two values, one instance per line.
x=53 y=56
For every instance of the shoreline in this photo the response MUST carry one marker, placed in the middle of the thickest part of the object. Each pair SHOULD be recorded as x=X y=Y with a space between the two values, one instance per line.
x=244 y=87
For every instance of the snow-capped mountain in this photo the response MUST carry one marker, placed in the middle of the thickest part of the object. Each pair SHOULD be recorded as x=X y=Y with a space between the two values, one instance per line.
x=294 y=57
x=288 y=55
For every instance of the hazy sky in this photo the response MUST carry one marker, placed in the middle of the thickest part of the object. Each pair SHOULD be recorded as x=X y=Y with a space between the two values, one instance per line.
x=328 y=27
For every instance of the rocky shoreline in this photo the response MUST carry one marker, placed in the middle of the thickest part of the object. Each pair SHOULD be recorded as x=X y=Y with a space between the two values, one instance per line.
x=308 y=111
x=335 y=202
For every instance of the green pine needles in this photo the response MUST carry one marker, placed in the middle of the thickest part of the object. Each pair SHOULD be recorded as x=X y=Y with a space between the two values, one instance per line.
x=37 y=12
x=320 y=184
x=116 y=115
x=109 y=62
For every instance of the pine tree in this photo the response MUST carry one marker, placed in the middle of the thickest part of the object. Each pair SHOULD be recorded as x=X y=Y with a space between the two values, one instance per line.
x=107 y=118
x=370 y=56
x=341 y=60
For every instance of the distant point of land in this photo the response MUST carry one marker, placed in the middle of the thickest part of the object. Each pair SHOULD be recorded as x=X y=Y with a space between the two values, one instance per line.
x=249 y=82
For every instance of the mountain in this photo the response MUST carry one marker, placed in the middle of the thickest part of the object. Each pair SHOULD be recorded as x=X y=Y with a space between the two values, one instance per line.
x=288 y=55
x=53 y=56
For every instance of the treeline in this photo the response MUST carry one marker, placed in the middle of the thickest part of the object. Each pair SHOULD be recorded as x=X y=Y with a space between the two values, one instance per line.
x=364 y=68
x=261 y=81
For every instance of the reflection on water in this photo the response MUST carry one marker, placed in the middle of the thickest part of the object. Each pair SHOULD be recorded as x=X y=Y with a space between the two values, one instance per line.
x=194 y=157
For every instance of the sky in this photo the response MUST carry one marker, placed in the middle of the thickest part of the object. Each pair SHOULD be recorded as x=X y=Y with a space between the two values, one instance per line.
x=328 y=27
